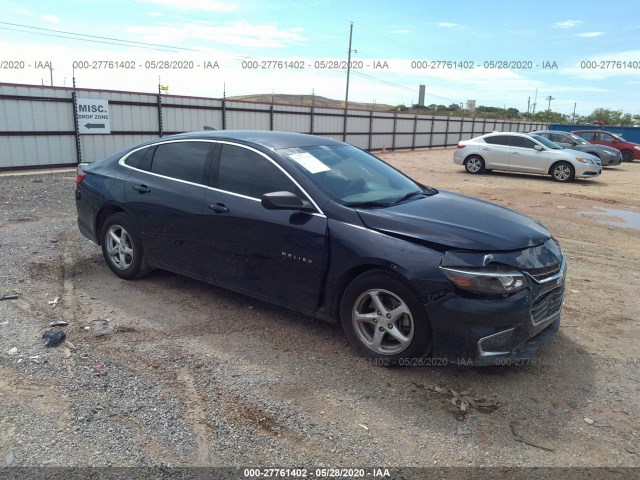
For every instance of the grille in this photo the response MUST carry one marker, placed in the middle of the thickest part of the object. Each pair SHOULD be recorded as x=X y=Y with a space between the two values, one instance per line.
x=541 y=274
x=547 y=305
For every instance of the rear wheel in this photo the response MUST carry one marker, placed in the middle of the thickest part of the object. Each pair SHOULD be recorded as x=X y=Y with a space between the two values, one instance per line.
x=384 y=319
x=122 y=248
x=474 y=164
x=627 y=155
x=563 y=172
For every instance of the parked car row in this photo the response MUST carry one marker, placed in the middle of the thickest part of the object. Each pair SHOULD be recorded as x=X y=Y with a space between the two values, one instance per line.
x=629 y=150
x=562 y=155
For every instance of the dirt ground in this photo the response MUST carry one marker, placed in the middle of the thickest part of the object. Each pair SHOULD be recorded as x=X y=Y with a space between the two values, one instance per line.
x=166 y=370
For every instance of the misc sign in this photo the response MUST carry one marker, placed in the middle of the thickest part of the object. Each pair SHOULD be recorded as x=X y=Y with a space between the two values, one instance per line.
x=93 y=116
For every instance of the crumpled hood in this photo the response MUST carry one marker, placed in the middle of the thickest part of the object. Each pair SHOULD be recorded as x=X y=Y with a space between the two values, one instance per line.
x=457 y=221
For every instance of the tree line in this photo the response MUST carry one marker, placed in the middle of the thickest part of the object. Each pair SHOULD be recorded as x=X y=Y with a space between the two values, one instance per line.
x=599 y=115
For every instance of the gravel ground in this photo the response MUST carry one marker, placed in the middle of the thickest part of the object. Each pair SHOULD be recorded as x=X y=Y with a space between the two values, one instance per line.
x=170 y=372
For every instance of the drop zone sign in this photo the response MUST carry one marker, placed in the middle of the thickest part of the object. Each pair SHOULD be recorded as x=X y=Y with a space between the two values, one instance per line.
x=93 y=116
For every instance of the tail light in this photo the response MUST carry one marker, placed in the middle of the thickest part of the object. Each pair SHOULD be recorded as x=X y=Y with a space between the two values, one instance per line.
x=80 y=173
x=460 y=146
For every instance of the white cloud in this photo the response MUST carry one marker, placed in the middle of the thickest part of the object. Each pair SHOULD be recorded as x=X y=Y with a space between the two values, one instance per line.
x=447 y=24
x=241 y=34
x=567 y=23
x=201 y=5
x=589 y=34
x=400 y=31
x=50 y=18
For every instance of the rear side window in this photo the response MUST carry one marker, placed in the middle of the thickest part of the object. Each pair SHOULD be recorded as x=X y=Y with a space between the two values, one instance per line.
x=586 y=135
x=181 y=160
x=245 y=172
x=522 y=142
x=498 y=140
x=141 y=159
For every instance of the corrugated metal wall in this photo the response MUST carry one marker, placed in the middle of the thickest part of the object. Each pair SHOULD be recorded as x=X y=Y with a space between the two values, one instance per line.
x=628 y=133
x=37 y=127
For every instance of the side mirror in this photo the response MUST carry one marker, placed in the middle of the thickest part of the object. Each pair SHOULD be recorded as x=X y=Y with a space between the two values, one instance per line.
x=284 y=201
x=538 y=147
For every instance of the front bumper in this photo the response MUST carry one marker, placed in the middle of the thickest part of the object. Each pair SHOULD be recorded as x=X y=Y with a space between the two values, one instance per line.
x=588 y=171
x=480 y=330
x=610 y=160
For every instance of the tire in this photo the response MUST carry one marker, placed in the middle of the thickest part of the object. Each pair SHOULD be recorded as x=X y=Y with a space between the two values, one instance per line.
x=627 y=156
x=474 y=164
x=384 y=320
x=563 y=172
x=122 y=248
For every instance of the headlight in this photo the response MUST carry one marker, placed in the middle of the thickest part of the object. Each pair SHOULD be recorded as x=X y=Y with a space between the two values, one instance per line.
x=608 y=152
x=637 y=147
x=583 y=160
x=496 y=282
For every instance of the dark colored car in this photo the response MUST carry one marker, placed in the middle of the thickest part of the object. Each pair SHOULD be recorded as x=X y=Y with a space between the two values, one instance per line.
x=629 y=150
x=608 y=156
x=328 y=230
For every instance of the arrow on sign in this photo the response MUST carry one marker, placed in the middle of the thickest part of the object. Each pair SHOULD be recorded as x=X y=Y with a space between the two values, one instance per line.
x=94 y=125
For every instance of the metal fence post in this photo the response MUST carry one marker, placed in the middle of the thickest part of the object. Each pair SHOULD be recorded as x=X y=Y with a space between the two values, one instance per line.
x=224 y=113
x=395 y=125
x=271 y=117
x=433 y=121
x=159 y=115
x=74 y=98
x=415 y=129
x=370 y=129
x=446 y=132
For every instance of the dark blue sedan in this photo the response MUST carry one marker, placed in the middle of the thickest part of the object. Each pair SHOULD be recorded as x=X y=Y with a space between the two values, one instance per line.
x=326 y=229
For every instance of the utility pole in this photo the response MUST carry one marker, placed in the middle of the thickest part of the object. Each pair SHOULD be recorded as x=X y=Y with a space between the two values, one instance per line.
x=528 y=103
x=51 y=74
x=535 y=102
x=549 y=98
x=346 y=97
x=573 y=119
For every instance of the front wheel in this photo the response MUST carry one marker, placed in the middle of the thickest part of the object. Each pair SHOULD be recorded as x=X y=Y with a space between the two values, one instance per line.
x=122 y=248
x=384 y=319
x=474 y=164
x=563 y=172
x=627 y=155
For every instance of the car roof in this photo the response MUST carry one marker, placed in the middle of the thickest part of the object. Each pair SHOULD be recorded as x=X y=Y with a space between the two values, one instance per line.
x=551 y=131
x=515 y=134
x=594 y=130
x=265 y=138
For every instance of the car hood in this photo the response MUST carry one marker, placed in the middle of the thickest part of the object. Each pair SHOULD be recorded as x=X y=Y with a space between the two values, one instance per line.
x=457 y=221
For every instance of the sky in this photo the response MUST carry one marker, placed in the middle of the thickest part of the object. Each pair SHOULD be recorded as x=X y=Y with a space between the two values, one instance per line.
x=584 y=55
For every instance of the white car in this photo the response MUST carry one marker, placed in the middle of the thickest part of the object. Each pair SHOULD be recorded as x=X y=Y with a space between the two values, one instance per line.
x=526 y=153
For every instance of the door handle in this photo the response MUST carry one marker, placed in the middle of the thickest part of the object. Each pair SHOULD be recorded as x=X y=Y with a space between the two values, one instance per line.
x=218 y=207
x=515 y=153
x=142 y=188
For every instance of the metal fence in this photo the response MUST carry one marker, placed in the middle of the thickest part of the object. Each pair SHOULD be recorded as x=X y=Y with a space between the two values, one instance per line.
x=39 y=128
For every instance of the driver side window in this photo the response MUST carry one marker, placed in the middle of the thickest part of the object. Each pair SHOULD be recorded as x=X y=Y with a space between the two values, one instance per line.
x=248 y=173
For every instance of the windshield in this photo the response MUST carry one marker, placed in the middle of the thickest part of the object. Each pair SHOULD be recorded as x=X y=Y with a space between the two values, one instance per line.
x=352 y=176
x=546 y=143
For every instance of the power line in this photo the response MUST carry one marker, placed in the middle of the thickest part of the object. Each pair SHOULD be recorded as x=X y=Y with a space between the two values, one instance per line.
x=124 y=43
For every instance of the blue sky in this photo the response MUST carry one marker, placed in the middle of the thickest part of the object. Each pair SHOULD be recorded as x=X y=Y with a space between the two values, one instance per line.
x=565 y=36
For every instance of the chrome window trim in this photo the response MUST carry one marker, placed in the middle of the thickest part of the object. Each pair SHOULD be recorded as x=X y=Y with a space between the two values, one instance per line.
x=122 y=163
